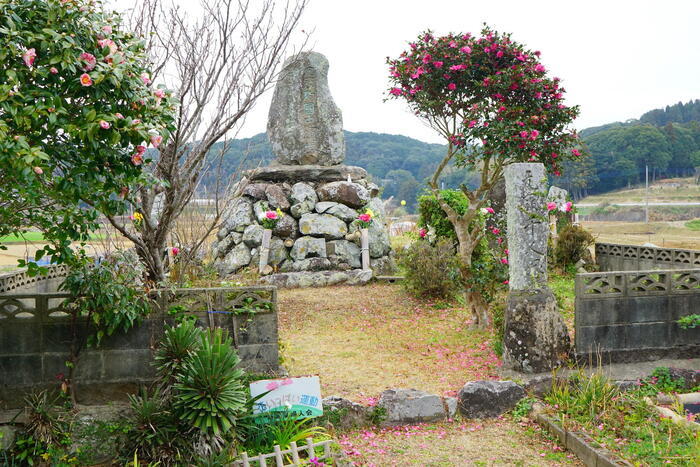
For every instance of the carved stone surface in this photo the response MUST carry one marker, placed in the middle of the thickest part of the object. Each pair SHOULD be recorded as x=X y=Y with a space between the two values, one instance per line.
x=527 y=225
x=304 y=124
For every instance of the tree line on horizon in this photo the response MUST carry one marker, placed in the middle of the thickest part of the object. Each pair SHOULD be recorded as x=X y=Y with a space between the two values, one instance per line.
x=666 y=140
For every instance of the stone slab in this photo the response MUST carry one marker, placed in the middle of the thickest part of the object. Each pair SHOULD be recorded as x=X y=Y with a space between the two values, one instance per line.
x=306 y=173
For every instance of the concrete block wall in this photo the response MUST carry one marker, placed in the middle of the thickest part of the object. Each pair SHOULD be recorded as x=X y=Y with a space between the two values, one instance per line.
x=628 y=316
x=36 y=335
x=613 y=257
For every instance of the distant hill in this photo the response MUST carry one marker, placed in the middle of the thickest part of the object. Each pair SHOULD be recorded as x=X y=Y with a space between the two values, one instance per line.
x=398 y=163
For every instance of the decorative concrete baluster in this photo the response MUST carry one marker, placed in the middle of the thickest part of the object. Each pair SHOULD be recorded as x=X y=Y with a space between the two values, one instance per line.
x=536 y=338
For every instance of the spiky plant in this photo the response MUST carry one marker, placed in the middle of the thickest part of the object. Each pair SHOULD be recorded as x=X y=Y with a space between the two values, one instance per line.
x=178 y=344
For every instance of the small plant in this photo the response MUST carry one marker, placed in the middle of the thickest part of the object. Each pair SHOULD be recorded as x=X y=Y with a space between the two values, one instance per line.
x=377 y=415
x=661 y=380
x=431 y=271
x=689 y=322
x=572 y=246
x=523 y=408
x=210 y=394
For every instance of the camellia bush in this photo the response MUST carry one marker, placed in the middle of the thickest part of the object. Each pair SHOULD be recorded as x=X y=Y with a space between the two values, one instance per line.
x=77 y=114
x=494 y=103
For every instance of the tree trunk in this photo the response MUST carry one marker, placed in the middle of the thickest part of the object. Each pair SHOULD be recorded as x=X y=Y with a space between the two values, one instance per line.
x=474 y=300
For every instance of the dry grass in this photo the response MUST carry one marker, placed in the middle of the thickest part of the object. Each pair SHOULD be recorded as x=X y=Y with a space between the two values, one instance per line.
x=662 y=234
x=670 y=190
x=474 y=443
x=362 y=340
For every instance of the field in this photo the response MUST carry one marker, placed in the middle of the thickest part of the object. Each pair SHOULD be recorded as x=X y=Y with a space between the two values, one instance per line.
x=663 y=234
x=673 y=190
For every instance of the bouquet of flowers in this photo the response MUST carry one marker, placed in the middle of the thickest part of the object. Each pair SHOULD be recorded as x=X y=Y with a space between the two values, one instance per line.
x=270 y=218
x=365 y=219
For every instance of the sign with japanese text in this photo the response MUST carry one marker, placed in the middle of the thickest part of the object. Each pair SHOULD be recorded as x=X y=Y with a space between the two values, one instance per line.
x=296 y=397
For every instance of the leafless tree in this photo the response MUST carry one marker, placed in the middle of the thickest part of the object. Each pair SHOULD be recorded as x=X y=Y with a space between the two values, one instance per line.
x=217 y=64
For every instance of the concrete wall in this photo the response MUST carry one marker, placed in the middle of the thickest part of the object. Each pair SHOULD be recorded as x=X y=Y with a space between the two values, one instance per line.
x=36 y=335
x=631 y=315
x=21 y=282
x=613 y=257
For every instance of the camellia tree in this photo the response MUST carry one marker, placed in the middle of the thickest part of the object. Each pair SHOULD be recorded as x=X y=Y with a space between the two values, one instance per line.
x=77 y=114
x=495 y=104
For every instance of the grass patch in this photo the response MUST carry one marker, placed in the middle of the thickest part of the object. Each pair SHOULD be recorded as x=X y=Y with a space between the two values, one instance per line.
x=693 y=225
x=563 y=287
x=622 y=421
x=36 y=237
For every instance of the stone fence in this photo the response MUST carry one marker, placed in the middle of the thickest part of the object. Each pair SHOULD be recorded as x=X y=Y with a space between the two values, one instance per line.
x=613 y=257
x=21 y=282
x=632 y=315
x=36 y=335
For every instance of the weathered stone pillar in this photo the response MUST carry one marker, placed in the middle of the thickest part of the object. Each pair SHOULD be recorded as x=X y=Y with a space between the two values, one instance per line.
x=536 y=338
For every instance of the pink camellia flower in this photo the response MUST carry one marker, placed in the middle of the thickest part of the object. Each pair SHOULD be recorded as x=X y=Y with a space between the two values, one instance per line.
x=365 y=217
x=118 y=115
x=499 y=54
x=156 y=140
x=506 y=251
x=568 y=206
x=499 y=240
x=89 y=59
x=490 y=210
x=523 y=134
x=471 y=123
x=159 y=93
x=551 y=206
x=29 y=56
x=452 y=86
x=534 y=134
x=146 y=80
x=466 y=49
x=104 y=125
x=271 y=215
x=504 y=260
x=85 y=80
x=38 y=170
x=453 y=45
x=108 y=43
x=422 y=233
x=140 y=149
x=427 y=58
x=495 y=231
x=175 y=250
x=506 y=282
x=136 y=121
x=576 y=152
x=459 y=67
x=137 y=159
x=107 y=29
x=437 y=64
x=53 y=70
x=539 y=68
x=396 y=91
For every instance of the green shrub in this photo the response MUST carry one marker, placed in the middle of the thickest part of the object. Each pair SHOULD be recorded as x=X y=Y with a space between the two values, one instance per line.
x=572 y=246
x=498 y=311
x=689 y=322
x=431 y=214
x=431 y=270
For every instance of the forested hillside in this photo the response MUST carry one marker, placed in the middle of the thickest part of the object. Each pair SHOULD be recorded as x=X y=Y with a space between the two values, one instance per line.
x=667 y=140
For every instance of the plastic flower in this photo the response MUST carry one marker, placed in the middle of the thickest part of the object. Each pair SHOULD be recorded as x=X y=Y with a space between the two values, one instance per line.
x=551 y=206
x=85 y=80
x=104 y=125
x=567 y=207
x=365 y=217
x=136 y=217
x=271 y=215
x=29 y=56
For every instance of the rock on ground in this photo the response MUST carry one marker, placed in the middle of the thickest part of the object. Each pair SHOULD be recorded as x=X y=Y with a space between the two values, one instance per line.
x=317 y=279
x=487 y=399
x=405 y=406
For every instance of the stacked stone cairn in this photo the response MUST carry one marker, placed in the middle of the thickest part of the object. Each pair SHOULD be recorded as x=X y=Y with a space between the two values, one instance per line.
x=317 y=239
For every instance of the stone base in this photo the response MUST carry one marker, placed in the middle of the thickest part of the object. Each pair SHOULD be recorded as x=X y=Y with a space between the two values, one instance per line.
x=536 y=338
x=304 y=173
x=291 y=280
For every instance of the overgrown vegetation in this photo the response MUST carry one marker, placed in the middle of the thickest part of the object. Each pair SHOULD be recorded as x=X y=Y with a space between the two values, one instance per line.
x=572 y=246
x=623 y=421
x=431 y=270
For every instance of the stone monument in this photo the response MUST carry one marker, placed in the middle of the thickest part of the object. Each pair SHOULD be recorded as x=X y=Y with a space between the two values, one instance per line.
x=536 y=338
x=317 y=239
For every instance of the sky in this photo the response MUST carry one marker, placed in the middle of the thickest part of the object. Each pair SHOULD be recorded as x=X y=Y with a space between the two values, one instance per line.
x=617 y=58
